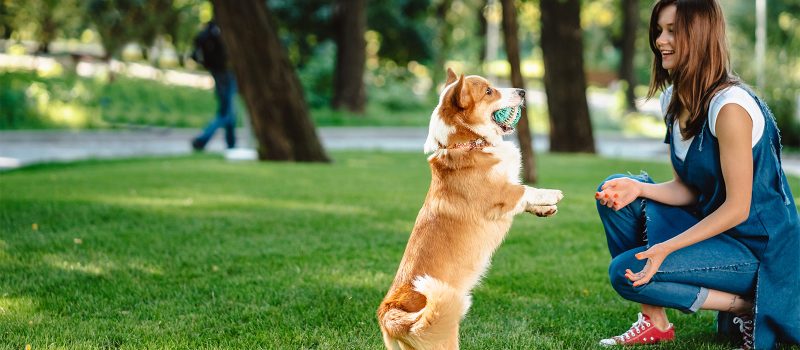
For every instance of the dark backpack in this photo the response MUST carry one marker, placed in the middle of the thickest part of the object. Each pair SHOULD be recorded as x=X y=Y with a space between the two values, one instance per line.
x=208 y=48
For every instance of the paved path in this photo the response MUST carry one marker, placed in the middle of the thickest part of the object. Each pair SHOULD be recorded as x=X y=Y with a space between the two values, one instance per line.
x=20 y=148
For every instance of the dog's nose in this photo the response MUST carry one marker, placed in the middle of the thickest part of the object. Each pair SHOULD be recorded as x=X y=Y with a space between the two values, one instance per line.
x=521 y=93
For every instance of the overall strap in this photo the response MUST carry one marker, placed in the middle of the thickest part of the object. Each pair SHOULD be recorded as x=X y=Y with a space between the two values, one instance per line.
x=776 y=152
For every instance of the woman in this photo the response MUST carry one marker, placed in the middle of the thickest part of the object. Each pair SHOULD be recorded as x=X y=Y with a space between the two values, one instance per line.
x=723 y=234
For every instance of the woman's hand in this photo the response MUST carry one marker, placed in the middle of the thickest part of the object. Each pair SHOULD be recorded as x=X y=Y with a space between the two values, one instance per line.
x=619 y=192
x=655 y=256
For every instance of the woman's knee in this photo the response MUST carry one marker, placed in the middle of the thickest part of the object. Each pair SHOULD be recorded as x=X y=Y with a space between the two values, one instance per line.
x=616 y=270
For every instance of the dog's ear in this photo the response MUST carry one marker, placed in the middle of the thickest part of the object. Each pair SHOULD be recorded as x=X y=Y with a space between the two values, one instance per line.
x=461 y=93
x=451 y=77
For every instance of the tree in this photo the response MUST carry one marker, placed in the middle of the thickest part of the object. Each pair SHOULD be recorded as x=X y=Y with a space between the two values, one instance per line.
x=159 y=14
x=6 y=16
x=511 y=40
x=351 y=56
x=564 y=78
x=442 y=40
x=630 y=21
x=46 y=19
x=268 y=82
x=115 y=21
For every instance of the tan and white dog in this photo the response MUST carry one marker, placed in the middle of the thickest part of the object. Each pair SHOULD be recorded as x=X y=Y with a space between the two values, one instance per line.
x=474 y=194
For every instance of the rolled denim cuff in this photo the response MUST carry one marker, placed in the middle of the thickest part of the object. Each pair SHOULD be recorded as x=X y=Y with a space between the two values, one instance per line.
x=702 y=295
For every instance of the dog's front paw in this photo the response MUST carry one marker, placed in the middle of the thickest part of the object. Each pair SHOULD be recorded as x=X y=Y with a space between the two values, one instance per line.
x=542 y=210
x=544 y=197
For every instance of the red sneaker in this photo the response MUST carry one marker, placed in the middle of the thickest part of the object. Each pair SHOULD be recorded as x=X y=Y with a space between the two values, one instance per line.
x=642 y=332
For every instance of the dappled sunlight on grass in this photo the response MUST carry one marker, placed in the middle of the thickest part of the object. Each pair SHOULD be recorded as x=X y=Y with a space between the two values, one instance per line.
x=147 y=202
x=96 y=268
x=3 y=249
x=99 y=267
x=16 y=305
x=223 y=201
x=357 y=278
x=401 y=226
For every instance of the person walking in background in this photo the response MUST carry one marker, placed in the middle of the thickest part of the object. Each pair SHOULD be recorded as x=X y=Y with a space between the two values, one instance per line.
x=210 y=53
x=724 y=233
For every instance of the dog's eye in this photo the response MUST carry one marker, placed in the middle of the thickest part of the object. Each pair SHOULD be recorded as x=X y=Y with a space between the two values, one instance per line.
x=488 y=91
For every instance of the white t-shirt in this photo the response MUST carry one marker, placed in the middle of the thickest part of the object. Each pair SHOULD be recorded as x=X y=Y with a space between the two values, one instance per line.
x=733 y=94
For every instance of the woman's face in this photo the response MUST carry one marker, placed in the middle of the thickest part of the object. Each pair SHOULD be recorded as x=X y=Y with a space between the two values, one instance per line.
x=665 y=42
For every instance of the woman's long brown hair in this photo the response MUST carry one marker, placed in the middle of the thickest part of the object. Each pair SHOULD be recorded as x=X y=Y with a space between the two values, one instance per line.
x=703 y=65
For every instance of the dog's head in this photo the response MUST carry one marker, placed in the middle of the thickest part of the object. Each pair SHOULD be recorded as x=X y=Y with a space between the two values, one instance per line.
x=465 y=112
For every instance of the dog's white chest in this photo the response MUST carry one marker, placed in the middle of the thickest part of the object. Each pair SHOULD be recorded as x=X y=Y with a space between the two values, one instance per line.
x=510 y=161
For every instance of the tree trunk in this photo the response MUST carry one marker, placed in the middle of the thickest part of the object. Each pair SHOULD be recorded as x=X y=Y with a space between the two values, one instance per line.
x=47 y=30
x=630 y=20
x=480 y=34
x=511 y=39
x=351 y=56
x=564 y=78
x=268 y=83
x=442 y=40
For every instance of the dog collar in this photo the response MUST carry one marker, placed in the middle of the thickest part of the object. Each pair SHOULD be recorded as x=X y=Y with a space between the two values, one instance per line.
x=477 y=143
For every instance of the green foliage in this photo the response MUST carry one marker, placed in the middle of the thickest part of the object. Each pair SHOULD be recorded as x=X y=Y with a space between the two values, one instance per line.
x=29 y=101
x=185 y=24
x=303 y=24
x=781 y=95
x=114 y=21
x=601 y=24
x=44 y=20
x=397 y=88
x=120 y=22
x=402 y=27
x=317 y=75
x=15 y=110
x=781 y=67
x=200 y=253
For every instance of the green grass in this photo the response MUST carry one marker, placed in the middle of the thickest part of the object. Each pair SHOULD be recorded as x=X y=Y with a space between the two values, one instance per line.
x=200 y=253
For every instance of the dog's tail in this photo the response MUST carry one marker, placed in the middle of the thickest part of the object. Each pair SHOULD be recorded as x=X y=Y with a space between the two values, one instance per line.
x=434 y=326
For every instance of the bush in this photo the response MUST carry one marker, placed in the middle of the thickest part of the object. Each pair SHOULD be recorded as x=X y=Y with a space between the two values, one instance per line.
x=781 y=93
x=317 y=76
x=15 y=111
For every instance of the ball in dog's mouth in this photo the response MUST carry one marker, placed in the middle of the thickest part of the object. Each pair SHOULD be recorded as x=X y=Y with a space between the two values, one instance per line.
x=507 y=118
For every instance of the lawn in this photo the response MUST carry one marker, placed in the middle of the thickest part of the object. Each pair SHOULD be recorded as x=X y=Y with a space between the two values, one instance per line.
x=199 y=253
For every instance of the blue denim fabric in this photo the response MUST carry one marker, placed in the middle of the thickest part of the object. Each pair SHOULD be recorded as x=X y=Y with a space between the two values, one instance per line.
x=225 y=89
x=682 y=282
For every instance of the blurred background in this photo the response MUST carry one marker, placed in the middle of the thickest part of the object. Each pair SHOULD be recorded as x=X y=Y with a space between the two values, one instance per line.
x=110 y=64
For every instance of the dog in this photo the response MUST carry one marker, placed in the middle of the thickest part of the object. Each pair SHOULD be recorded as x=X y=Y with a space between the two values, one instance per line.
x=474 y=194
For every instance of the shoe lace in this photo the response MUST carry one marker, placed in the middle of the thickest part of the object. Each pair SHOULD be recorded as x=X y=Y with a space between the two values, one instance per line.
x=745 y=323
x=636 y=328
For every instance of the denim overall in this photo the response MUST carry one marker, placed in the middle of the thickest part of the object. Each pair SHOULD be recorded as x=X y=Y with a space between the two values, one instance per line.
x=759 y=258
